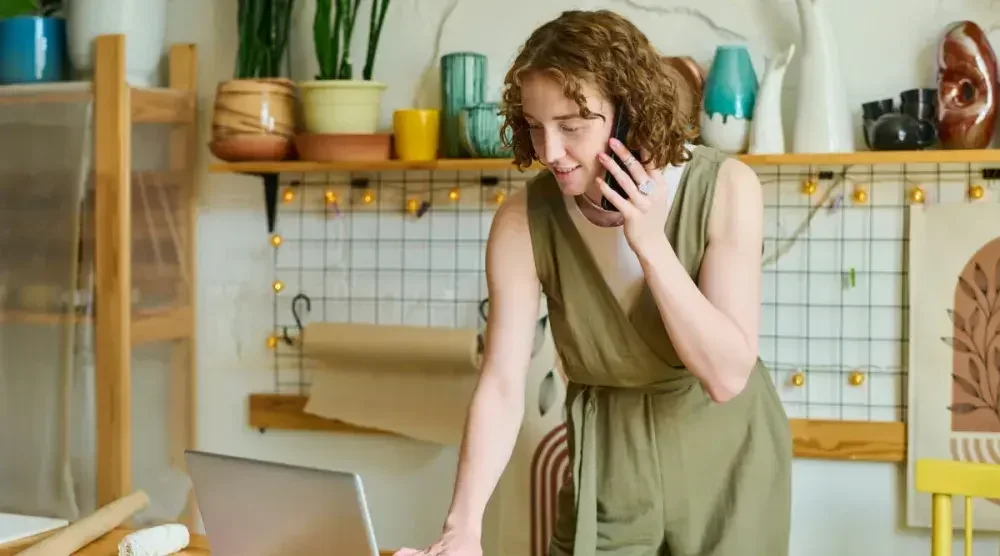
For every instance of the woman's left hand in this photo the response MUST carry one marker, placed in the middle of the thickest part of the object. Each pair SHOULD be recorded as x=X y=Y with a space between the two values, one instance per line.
x=645 y=211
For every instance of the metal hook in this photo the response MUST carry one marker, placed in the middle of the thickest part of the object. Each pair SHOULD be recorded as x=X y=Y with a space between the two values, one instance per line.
x=295 y=315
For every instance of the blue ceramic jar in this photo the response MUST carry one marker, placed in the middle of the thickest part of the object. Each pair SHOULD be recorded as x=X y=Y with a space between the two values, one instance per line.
x=32 y=50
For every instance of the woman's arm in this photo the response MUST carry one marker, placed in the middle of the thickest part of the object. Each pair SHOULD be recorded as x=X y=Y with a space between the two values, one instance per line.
x=497 y=407
x=713 y=325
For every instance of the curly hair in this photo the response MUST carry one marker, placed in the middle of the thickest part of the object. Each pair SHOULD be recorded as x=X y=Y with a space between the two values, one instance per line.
x=608 y=52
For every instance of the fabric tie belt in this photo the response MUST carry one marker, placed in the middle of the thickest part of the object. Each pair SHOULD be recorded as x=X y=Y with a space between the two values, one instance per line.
x=584 y=410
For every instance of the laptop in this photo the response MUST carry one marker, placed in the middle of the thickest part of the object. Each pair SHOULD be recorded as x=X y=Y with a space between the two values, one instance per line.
x=259 y=508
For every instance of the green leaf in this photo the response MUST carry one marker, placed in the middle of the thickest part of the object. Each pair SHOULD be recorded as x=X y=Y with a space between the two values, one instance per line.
x=14 y=8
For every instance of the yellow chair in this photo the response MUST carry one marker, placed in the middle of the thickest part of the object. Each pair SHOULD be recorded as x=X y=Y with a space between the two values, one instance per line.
x=944 y=479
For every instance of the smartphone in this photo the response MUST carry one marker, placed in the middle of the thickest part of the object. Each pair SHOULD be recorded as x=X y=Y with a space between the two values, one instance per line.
x=619 y=131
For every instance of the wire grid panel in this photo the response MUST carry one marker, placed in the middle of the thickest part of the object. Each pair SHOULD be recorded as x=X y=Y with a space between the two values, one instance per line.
x=409 y=248
x=382 y=248
x=834 y=325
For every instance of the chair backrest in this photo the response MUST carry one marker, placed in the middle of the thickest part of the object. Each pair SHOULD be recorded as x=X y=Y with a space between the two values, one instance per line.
x=944 y=479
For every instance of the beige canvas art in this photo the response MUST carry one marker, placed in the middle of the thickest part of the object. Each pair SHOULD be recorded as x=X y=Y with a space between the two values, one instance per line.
x=954 y=347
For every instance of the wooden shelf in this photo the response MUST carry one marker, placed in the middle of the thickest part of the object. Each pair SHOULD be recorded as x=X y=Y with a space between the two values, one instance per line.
x=148 y=325
x=813 y=439
x=154 y=105
x=875 y=158
x=301 y=166
x=495 y=164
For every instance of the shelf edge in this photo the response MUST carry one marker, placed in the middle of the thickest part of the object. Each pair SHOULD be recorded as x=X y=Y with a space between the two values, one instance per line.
x=873 y=441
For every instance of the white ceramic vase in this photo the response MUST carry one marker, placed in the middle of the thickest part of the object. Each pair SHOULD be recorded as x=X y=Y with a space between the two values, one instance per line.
x=822 y=116
x=143 y=22
x=767 y=135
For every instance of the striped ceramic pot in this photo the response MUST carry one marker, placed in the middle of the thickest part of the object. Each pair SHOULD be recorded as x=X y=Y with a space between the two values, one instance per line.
x=253 y=119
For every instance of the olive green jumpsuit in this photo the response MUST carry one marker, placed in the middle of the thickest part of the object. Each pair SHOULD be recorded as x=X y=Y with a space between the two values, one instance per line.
x=658 y=468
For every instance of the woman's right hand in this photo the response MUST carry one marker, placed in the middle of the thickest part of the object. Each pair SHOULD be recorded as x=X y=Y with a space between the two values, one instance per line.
x=450 y=544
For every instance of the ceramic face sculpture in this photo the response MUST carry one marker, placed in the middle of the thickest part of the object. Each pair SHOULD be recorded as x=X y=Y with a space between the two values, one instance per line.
x=967 y=88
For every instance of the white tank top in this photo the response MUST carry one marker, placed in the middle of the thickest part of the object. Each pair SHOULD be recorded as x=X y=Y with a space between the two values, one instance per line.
x=616 y=261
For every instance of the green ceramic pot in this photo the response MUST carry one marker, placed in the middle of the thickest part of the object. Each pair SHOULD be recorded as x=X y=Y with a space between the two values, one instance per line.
x=479 y=130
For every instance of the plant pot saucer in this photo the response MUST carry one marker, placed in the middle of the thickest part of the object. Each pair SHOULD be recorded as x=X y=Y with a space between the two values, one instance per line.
x=344 y=147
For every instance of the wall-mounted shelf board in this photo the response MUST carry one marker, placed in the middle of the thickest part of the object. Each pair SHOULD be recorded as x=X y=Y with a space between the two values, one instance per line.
x=813 y=439
x=495 y=164
x=270 y=171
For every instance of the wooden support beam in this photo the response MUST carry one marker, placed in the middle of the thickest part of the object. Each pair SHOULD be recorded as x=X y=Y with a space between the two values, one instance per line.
x=113 y=269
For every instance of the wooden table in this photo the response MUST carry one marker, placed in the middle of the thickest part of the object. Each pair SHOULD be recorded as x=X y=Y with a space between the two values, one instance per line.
x=108 y=545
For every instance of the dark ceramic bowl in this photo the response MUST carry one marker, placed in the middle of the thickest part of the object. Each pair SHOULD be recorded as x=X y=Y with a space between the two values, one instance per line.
x=872 y=110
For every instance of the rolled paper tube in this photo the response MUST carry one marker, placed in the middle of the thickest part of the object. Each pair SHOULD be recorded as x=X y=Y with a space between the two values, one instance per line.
x=87 y=529
x=396 y=348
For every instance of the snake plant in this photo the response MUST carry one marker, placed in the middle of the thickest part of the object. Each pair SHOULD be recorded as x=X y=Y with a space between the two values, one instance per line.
x=41 y=8
x=263 y=29
x=333 y=29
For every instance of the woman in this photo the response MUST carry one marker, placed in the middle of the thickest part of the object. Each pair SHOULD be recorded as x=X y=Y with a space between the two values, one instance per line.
x=679 y=442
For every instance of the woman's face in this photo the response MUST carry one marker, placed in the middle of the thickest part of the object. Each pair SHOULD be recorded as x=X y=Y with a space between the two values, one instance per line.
x=564 y=141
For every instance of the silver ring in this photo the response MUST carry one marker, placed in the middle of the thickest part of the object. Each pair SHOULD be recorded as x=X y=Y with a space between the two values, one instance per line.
x=628 y=161
x=646 y=187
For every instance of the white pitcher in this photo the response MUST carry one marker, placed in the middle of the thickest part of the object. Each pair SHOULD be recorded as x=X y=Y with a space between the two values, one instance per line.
x=143 y=22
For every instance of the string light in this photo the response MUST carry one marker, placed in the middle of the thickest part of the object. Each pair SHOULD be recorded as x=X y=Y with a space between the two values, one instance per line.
x=856 y=378
x=276 y=240
x=809 y=187
x=454 y=194
x=917 y=194
x=288 y=195
x=330 y=197
x=976 y=192
x=272 y=342
x=499 y=197
x=278 y=285
x=367 y=197
x=412 y=206
x=798 y=379
x=860 y=195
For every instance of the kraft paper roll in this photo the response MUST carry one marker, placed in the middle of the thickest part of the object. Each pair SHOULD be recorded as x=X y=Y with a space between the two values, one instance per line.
x=421 y=349
x=411 y=381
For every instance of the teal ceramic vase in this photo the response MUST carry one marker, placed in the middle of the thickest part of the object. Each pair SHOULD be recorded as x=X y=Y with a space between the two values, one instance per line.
x=729 y=99
x=463 y=83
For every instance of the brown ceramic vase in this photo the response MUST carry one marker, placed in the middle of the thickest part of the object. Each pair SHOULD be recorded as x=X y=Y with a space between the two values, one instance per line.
x=967 y=88
x=253 y=120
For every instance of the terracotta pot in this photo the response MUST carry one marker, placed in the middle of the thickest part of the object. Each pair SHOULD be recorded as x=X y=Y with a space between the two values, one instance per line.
x=253 y=119
x=344 y=147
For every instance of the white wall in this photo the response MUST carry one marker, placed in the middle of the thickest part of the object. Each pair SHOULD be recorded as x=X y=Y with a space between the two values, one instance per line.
x=886 y=46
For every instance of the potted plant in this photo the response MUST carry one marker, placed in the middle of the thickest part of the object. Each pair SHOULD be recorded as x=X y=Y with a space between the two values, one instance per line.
x=254 y=113
x=23 y=57
x=143 y=23
x=337 y=102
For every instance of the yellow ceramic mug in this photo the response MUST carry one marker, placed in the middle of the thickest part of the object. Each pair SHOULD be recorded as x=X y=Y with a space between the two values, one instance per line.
x=416 y=134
